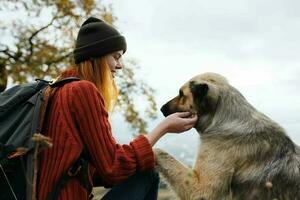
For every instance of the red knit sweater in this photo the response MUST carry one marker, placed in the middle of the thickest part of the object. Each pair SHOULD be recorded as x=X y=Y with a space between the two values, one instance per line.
x=77 y=120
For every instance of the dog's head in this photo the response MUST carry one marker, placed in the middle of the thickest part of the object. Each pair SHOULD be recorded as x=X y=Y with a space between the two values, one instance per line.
x=199 y=95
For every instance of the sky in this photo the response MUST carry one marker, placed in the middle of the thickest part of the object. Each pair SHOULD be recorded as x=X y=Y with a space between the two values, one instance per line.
x=254 y=44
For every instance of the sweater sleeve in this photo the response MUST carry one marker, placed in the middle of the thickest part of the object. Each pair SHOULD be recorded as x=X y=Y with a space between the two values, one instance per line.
x=113 y=162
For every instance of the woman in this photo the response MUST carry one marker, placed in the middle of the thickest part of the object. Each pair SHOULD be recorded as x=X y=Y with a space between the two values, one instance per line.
x=78 y=125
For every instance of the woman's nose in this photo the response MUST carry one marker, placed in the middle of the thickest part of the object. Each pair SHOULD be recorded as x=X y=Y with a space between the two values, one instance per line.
x=119 y=65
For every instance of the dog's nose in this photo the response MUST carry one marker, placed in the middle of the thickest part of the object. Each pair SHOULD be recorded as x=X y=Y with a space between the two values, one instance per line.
x=165 y=110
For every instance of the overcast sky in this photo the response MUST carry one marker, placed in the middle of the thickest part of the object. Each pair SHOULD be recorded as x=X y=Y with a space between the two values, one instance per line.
x=254 y=44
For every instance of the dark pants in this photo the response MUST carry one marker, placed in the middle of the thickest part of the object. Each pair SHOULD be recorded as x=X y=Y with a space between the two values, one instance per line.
x=140 y=186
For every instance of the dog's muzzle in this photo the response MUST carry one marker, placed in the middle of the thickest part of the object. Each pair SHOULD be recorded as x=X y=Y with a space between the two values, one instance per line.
x=165 y=110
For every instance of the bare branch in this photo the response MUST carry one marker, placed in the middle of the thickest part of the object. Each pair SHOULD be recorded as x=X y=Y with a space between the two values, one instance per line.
x=36 y=32
x=8 y=53
x=50 y=62
x=6 y=48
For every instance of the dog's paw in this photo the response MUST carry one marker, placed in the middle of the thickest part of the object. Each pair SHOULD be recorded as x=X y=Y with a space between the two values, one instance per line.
x=159 y=152
x=161 y=156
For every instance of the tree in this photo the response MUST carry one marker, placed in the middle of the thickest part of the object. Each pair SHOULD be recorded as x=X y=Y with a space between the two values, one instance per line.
x=31 y=48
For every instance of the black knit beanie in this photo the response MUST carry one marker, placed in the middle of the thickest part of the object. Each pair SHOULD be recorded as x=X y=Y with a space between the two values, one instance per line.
x=96 y=38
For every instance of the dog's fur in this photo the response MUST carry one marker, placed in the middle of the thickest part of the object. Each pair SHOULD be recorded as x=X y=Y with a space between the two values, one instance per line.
x=243 y=153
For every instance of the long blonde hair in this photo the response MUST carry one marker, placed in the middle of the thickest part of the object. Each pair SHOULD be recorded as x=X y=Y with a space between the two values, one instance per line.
x=98 y=72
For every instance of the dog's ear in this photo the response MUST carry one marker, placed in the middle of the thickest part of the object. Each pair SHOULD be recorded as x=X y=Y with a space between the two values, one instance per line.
x=199 y=90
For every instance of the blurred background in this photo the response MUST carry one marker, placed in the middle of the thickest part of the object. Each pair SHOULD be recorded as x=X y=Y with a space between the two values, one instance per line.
x=254 y=44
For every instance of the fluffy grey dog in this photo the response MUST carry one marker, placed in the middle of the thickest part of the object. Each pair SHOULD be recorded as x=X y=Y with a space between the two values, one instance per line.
x=243 y=154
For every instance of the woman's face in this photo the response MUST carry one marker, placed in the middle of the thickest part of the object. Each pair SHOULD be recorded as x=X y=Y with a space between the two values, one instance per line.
x=114 y=61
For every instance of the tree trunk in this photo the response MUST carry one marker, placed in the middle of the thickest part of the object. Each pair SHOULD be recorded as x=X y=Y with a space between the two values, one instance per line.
x=3 y=77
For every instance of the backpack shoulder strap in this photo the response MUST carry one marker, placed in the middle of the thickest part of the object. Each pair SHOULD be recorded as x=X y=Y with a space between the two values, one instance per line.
x=61 y=82
x=78 y=170
x=46 y=95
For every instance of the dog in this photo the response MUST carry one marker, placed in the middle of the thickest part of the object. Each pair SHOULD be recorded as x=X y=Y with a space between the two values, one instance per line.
x=243 y=153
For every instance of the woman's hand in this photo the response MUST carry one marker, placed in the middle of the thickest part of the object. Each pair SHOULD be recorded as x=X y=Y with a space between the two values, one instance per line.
x=179 y=122
x=174 y=123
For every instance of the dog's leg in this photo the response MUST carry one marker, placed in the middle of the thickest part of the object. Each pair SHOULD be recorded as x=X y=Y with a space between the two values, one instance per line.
x=189 y=184
x=181 y=178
